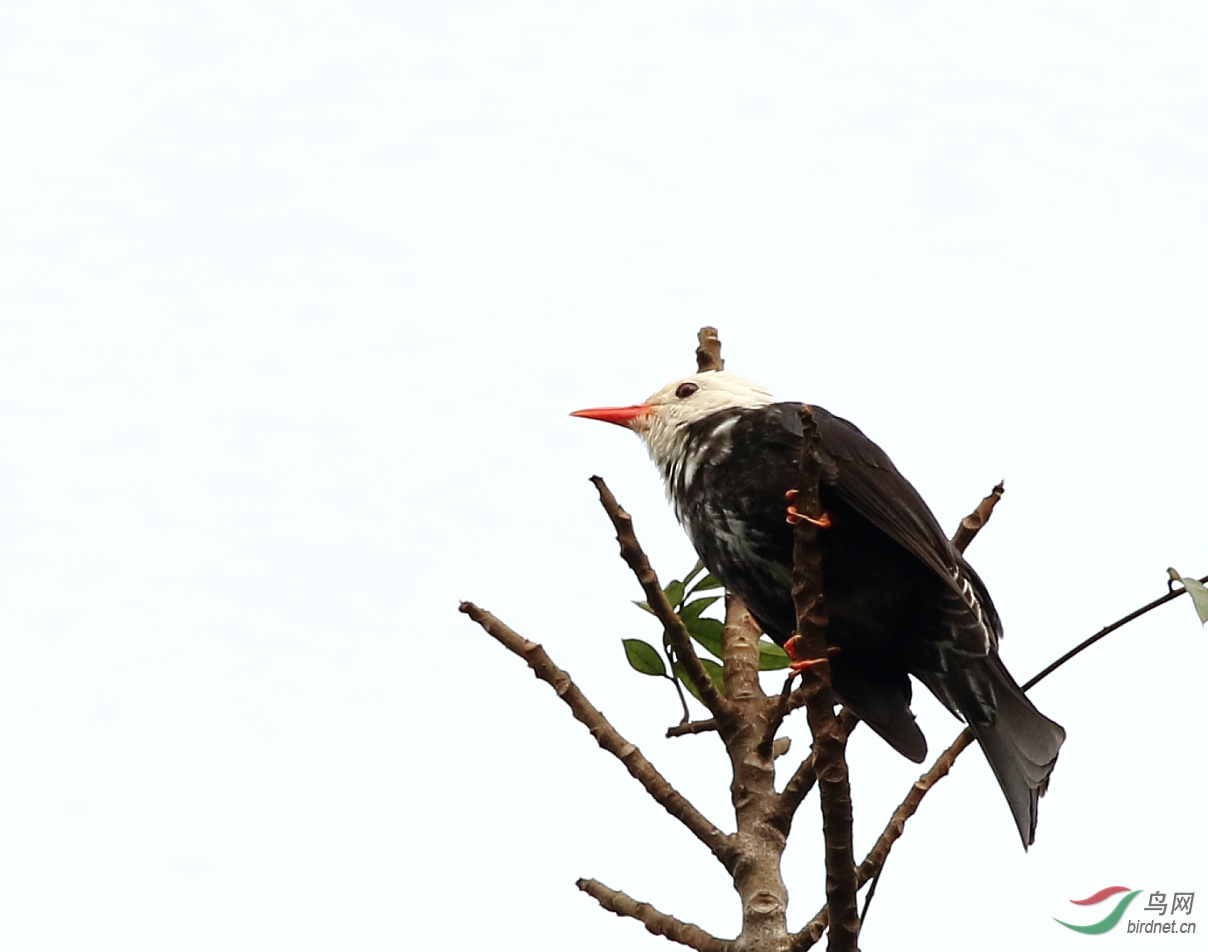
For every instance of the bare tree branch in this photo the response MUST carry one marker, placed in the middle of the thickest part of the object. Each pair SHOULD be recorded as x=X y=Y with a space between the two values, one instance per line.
x=685 y=933
x=748 y=721
x=906 y=809
x=876 y=857
x=875 y=860
x=872 y=891
x=692 y=727
x=802 y=781
x=708 y=353
x=757 y=877
x=809 y=936
x=720 y=844
x=780 y=711
x=788 y=701
x=972 y=524
x=1107 y=630
x=677 y=634
x=830 y=741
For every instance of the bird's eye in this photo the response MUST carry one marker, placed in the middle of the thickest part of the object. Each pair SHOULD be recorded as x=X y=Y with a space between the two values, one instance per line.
x=686 y=390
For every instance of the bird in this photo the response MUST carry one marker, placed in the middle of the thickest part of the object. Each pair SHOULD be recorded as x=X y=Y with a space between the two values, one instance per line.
x=900 y=600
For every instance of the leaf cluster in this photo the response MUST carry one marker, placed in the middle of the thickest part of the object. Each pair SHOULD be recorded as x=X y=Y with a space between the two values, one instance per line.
x=705 y=631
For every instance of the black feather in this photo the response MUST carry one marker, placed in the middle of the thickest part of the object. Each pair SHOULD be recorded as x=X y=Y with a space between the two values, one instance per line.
x=900 y=599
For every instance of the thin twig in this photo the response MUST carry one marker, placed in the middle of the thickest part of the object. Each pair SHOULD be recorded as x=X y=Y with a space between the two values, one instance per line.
x=675 y=683
x=779 y=712
x=720 y=844
x=875 y=860
x=802 y=781
x=787 y=702
x=906 y=809
x=1104 y=632
x=673 y=626
x=685 y=933
x=968 y=529
x=872 y=891
x=692 y=727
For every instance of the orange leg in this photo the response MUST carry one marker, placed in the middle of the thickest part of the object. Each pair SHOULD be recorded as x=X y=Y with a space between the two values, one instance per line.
x=797 y=665
x=792 y=516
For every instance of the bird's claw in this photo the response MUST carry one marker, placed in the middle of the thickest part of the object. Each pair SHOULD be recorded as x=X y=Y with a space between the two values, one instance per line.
x=792 y=516
x=796 y=664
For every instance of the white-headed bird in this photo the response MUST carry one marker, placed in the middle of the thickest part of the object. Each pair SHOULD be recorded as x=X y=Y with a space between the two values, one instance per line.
x=900 y=599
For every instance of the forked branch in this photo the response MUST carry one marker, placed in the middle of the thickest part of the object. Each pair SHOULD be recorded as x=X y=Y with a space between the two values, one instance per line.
x=747 y=722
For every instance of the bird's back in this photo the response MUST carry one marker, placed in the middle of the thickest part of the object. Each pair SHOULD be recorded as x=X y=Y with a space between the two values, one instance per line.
x=900 y=599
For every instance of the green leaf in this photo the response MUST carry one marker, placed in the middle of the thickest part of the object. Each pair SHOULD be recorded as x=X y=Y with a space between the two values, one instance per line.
x=674 y=592
x=712 y=668
x=645 y=606
x=692 y=610
x=696 y=570
x=1197 y=591
x=716 y=673
x=771 y=656
x=707 y=633
x=683 y=676
x=643 y=657
x=708 y=582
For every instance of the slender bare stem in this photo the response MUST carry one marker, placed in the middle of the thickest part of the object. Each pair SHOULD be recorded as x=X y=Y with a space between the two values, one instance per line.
x=1105 y=631
x=875 y=860
x=802 y=781
x=876 y=857
x=675 y=803
x=692 y=727
x=747 y=722
x=685 y=933
x=673 y=627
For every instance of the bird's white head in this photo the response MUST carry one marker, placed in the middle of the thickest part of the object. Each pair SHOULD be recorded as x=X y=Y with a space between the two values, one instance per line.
x=661 y=421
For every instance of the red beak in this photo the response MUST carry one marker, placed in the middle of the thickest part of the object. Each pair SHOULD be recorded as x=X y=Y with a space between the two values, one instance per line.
x=621 y=416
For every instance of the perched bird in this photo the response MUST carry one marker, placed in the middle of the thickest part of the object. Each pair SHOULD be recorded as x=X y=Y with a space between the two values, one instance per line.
x=900 y=599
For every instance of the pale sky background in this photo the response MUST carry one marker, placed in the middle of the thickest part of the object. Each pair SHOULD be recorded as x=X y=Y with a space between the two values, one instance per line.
x=296 y=298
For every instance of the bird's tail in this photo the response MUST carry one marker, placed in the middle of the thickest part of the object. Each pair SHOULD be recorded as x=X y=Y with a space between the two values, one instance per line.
x=1020 y=743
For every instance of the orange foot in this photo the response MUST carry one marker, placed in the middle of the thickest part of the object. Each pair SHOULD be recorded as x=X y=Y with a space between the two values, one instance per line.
x=792 y=516
x=797 y=665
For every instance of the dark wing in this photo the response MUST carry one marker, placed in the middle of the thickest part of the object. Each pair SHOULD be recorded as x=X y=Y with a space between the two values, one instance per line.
x=867 y=480
x=1020 y=743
